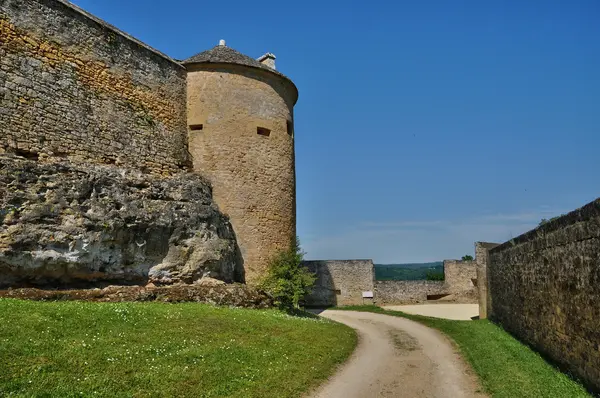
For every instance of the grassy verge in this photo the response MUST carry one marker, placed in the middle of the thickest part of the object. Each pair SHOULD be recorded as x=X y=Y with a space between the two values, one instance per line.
x=506 y=367
x=68 y=349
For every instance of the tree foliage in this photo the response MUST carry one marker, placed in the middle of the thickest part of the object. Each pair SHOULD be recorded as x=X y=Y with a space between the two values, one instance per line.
x=287 y=280
x=546 y=221
x=467 y=257
x=433 y=275
x=406 y=272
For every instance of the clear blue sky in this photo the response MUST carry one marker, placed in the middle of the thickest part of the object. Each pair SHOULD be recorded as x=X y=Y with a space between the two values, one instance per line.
x=422 y=126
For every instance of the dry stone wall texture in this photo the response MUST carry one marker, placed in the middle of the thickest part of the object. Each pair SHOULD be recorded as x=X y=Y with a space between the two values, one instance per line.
x=252 y=174
x=340 y=282
x=406 y=292
x=72 y=86
x=459 y=276
x=545 y=290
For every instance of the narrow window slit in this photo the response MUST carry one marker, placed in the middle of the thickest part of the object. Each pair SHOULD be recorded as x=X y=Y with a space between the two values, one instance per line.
x=196 y=127
x=263 y=131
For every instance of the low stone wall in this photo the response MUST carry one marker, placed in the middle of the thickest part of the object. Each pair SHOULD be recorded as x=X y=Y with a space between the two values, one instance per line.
x=340 y=282
x=545 y=290
x=406 y=292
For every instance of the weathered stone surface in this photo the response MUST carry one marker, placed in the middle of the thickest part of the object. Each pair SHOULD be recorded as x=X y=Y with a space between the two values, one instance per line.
x=545 y=289
x=236 y=295
x=252 y=175
x=208 y=281
x=460 y=278
x=63 y=224
x=406 y=292
x=72 y=86
x=340 y=282
x=482 y=259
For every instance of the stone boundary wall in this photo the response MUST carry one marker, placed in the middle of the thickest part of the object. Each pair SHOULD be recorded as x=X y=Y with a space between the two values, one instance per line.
x=545 y=290
x=406 y=292
x=460 y=280
x=459 y=275
x=74 y=87
x=340 y=282
x=482 y=259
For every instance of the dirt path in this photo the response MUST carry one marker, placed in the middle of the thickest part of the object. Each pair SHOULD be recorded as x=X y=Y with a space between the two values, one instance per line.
x=397 y=357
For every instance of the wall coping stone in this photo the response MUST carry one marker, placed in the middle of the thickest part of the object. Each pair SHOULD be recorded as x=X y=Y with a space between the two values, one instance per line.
x=585 y=213
x=116 y=30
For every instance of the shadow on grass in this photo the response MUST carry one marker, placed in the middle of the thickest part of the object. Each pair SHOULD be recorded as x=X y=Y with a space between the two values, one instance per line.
x=304 y=313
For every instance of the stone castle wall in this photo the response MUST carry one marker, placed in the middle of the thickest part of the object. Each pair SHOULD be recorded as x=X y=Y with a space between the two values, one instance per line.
x=252 y=174
x=340 y=282
x=73 y=87
x=406 y=292
x=482 y=258
x=458 y=286
x=544 y=288
x=459 y=276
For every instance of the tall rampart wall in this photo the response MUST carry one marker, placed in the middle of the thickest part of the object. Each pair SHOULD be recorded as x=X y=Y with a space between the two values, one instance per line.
x=545 y=290
x=74 y=87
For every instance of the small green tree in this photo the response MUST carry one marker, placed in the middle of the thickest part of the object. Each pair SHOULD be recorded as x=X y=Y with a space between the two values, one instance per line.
x=546 y=221
x=287 y=280
x=433 y=275
x=467 y=257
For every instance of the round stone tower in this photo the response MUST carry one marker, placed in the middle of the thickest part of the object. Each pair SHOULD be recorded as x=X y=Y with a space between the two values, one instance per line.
x=241 y=137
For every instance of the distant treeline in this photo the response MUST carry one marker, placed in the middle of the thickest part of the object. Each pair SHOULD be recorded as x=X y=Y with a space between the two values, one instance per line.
x=409 y=272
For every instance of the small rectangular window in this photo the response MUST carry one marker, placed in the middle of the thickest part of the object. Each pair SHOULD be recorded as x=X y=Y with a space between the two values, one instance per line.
x=196 y=127
x=263 y=131
x=338 y=291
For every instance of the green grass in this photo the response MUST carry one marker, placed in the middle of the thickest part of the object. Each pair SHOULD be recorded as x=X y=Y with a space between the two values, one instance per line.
x=68 y=349
x=506 y=367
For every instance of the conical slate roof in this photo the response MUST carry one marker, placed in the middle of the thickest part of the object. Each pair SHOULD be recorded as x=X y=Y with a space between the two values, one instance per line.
x=223 y=54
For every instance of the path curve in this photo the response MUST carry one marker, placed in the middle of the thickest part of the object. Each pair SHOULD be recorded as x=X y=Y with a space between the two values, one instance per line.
x=397 y=357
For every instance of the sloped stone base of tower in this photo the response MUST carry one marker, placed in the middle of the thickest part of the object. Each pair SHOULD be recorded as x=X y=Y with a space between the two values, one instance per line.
x=71 y=225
